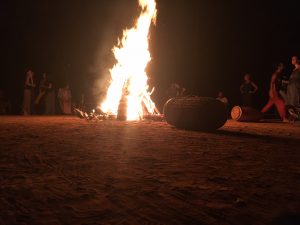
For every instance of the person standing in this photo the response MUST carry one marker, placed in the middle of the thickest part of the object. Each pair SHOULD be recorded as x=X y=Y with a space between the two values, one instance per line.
x=248 y=88
x=293 y=88
x=274 y=96
x=175 y=91
x=42 y=89
x=50 y=99
x=283 y=81
x=221 y=97
x=65 y=99
x=28 y=92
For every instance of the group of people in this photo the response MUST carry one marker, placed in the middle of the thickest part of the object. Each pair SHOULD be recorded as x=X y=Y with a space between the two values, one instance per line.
x=284 y=93
x=285 y=99
x=175 y=90
x=40 y=99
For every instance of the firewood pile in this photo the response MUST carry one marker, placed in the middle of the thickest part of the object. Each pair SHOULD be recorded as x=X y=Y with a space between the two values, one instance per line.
x=98 y=115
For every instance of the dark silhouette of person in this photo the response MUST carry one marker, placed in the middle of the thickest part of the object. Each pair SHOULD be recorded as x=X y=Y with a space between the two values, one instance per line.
x=28 y=93
x=248 y=88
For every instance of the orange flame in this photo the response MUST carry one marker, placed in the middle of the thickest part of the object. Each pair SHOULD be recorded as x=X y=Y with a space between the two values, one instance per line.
x=128 y=75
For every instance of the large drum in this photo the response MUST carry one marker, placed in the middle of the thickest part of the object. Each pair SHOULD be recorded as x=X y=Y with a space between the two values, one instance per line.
x=245 y=114
x=195 y=113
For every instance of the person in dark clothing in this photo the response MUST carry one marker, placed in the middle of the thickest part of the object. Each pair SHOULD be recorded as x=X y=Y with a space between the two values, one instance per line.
x=28 y=93
x=248 y=88
x=293 y=88
x=283 y=83
x=293 y=91
x=50 y=99
x=39 y=102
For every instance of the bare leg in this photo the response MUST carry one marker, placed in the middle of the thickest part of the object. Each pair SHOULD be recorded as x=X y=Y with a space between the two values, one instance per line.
x=268 y=105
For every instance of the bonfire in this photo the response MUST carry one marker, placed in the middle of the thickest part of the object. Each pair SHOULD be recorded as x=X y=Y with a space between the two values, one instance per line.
x=128 y=96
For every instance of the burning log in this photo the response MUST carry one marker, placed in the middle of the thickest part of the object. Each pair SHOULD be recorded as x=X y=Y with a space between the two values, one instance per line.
x=195 y=113
x=245 y=114
x=154 y=117
x=97 y=115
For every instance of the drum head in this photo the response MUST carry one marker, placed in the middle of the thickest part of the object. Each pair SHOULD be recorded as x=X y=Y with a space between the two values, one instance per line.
x=236 y=113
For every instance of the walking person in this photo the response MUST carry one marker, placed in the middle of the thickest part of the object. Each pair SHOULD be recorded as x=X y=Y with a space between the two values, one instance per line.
x=28 y=93
x=248 y=88
x=274 y=96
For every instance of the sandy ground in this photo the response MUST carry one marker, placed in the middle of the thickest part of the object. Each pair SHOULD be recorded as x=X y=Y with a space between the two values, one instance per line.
x=64 y=170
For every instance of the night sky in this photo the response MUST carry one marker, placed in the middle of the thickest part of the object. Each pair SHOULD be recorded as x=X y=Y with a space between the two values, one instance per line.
x=204 y=45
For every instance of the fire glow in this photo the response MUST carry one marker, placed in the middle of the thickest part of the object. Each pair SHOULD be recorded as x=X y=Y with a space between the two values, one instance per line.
x=128 y=76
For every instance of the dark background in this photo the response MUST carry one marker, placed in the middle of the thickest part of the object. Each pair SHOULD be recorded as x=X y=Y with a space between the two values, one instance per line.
x=205 y=46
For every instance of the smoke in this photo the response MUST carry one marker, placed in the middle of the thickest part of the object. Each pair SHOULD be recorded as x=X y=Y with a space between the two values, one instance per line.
x=103 y=61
